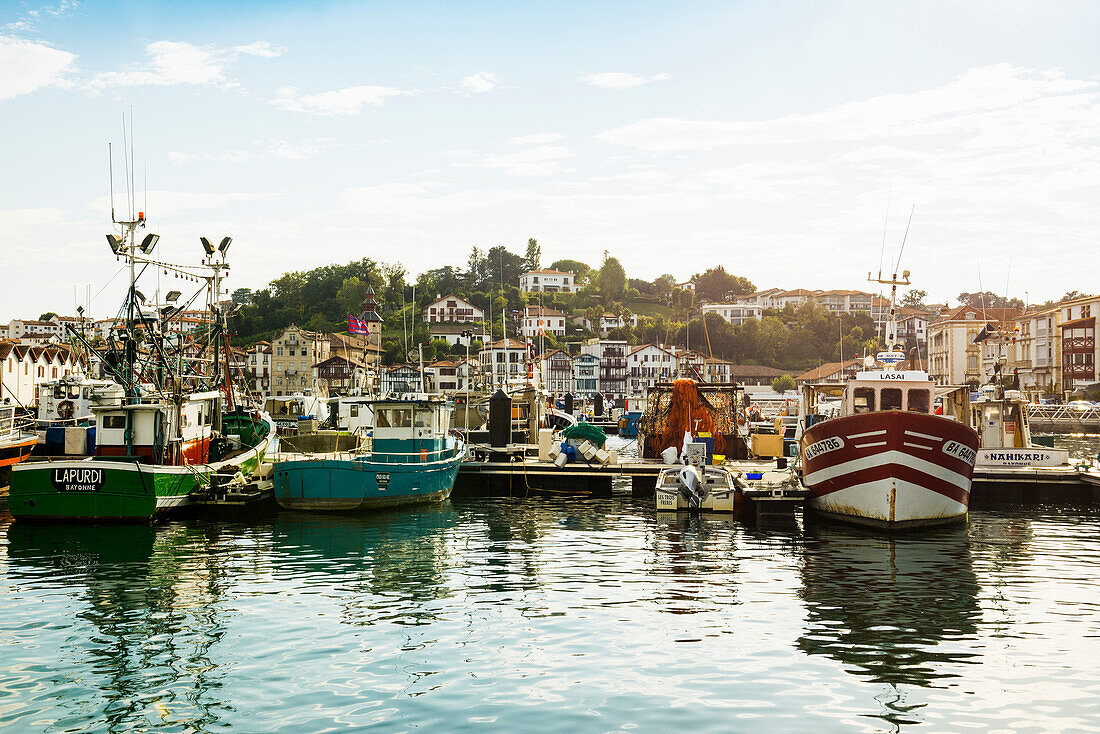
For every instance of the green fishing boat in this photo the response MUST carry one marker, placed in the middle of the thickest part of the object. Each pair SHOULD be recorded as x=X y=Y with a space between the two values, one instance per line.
x=174 y=423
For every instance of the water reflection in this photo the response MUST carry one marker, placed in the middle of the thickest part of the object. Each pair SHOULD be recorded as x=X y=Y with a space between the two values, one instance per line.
x=891 y=608
x=150 y=617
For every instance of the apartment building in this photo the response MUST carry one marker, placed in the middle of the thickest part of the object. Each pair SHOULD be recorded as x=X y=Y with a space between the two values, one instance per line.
x=734 y=313
x=586 y=375
x=955 y=356
x=503 y=360
x=547 y=281
x=293 y=354
x=538 y=320
x=612 y=356
x=1078 y=337
x=648 y=365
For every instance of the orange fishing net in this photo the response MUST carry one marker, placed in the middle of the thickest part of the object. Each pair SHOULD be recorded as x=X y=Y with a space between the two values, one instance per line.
x=684 y=407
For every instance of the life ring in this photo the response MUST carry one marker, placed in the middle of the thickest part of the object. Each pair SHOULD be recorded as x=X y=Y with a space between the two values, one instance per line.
x=65 y=409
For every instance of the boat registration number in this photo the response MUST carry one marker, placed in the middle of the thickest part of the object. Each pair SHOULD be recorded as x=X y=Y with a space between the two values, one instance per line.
x=823 y=446
x=960 y=452
x=383 y=478
x=77 y=479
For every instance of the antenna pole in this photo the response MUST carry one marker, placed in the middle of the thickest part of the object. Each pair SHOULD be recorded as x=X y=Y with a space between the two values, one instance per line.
x=111 y=173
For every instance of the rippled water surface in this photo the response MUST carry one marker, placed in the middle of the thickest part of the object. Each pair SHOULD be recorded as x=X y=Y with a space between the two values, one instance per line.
x=550 y=615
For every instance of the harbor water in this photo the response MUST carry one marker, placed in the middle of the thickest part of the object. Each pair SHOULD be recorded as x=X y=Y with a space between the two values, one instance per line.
x=550 y=614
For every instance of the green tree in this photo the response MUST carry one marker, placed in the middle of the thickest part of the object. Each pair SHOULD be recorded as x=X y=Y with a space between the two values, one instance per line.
x=350 y=296
x=534 y=255
x=715 y=284
x=579 y=270
x=914 y=298
x=46 y=316
x=612 y=279
x=783 y=384
x=242 y=295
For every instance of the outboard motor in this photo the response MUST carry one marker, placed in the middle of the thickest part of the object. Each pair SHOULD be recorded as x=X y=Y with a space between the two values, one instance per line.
x=692 y=488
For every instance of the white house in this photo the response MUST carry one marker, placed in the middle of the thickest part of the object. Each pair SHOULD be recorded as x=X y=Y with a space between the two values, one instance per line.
x=734 y=313
x=547 y=281
x=648 y=365
x=23 y=368
x=556 y=366
x=503 y=360
x=539 y=319
x=452 y=309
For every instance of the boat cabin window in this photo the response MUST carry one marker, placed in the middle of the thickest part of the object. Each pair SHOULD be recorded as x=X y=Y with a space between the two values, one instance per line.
x=423 y=419
x=863 y=400
x=919 y=401
x=354 y=411
x=393 y=418
x=891 y=398
x=114 y=420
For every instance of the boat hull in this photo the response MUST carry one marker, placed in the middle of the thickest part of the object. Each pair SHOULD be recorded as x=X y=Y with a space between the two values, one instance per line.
x=889 y=469
x=98 y=490
x=89 y=490
x=353 y=485
x=16 y=450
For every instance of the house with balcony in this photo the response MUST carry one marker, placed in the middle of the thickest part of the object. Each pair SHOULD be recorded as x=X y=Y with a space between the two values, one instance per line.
x=1078 y=332
x=734 y=313
x=340 y=375
x=586 y=375
x=453 y=333
x=546 y=280
x=539 y=320
x=648 y=365
x=955 y=355
x=452 y=309
x=1036 y=353
x=293 y=354
x=503 y=361
x=612 y=355
x=556 y=366
x=258 y=368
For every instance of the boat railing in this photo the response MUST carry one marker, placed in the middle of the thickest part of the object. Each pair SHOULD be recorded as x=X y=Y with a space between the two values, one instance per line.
x=1063 y=415
x=392 y=457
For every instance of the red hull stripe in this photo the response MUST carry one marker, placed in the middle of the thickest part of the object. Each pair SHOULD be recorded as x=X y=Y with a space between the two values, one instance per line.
x=886 y=471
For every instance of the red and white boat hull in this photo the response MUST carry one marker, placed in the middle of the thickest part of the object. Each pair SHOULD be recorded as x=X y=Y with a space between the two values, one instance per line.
x=890 y=469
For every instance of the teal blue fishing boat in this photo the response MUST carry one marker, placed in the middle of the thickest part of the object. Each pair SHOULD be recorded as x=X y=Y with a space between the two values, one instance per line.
x=412 y=458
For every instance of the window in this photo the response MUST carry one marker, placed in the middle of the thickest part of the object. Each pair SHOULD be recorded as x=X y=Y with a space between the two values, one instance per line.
x=354 y=412
x=891 y=398
x=114 y=420
x=919 y=401
x=864 y=399
x=423 y=419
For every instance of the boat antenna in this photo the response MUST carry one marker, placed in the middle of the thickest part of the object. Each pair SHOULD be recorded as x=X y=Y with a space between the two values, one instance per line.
x=133 y=188
x=885 y=225
x=111 y=174
x=904 y=238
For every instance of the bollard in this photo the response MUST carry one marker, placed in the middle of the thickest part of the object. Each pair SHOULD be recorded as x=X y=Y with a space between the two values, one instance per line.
x=500 y=420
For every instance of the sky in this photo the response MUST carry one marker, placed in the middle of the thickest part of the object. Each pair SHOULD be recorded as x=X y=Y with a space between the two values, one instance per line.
x=788 y=142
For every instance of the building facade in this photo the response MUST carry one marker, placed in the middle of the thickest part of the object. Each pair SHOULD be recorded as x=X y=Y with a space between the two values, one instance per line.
x=734 y=313
x=547 y=281
x=503 y=361
x=293 y=354
x=538 y=320
x=452 y=309
x=1078 y=332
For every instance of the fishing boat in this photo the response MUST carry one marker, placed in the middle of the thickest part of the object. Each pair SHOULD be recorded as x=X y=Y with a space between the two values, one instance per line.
x=888 y=460
x=413 y=458
x=16 y=441
x=1000 y=418
x=167 y=433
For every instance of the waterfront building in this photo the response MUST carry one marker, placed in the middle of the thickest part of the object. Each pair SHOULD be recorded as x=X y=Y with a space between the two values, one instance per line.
x=24 y=367
x=1036 y=355
x=839 y=372
x=556 y=367
x=717 y=370
x=755 y=374
x=340 y=375
x=546 y=280
x=954 y=355
x=452 y=309
x=648 y=365
x=453 y=333
x=258 y=369
x=586 y=375
x=401 y=378
x=452 y=375
x=294 y=352
x=503 y=360
x=611 y=354
x=1078 y=336
x=538 y=320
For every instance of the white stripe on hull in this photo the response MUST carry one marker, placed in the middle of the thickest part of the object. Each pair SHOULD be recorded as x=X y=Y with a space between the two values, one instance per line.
x=912 y=503
x=888 y=457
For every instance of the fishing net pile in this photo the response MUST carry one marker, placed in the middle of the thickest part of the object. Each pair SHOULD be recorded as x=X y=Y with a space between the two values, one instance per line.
x=685 y=408
x=587 y=432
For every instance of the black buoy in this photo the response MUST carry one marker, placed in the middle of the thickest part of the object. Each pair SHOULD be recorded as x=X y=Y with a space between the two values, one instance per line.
x=500 y=419
x=597 y=405
x=569 y=403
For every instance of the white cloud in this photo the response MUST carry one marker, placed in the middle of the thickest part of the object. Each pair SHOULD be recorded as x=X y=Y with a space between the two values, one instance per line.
x=480 y=82
x=262 y=149
x=171 y=62
x=260 y=48
x=347 y=101
x=619 y=79
x=539 y=160
x=538 y=139
x=26 y=66
x=968 y=104
x=398 y=202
